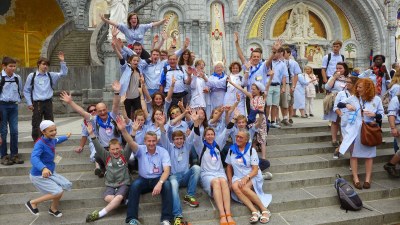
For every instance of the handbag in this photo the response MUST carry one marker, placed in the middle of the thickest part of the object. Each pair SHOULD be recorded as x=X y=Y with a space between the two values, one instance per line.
x=371 y=133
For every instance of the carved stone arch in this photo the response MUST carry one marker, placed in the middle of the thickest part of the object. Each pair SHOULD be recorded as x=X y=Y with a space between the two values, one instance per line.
x=256 y=41
x=228 y=14
x=176 y=6
x=244 y=20
x=67 y=9
x=324 y=12
x=83 y=13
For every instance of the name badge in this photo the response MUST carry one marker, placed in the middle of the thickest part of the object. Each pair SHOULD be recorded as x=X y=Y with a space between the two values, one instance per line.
x=214 y=159
x=180 y=157
x=156 y=170
x=57 y=159
x=258 y=78
x=158 y=71
x=109 y=131
x=342 y=85
x=240 y=160
x=41 y=81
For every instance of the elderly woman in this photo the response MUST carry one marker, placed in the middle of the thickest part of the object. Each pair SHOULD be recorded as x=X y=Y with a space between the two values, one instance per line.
x=335 y=84
x=364 y=101
x=217 y=85
x=212 y=173
x=246 y=179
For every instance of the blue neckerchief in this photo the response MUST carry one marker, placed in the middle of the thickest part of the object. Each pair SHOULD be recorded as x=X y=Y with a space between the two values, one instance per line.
x=236 y=151
x=254 y=71
x=219 y=77
x=353 y=116
x=211 y=147
x=108 y=122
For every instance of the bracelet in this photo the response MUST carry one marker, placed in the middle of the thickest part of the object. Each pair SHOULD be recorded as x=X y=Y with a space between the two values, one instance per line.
x=116 y=93
x=161 y=181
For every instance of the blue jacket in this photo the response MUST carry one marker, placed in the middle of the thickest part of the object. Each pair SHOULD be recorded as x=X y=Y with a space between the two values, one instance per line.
x=43 y=154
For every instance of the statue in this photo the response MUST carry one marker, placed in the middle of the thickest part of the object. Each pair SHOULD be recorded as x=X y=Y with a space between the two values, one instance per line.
x=173 y=39
x=217 y=47
x=118 y=12
x=171 y=27
x=298 y=26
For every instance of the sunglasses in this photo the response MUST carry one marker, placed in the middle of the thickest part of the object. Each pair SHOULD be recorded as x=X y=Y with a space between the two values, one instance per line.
x=93 y=110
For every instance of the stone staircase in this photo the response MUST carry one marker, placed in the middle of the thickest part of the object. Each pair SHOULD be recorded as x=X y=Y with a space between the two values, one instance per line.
x=76 y=47
x=302 y=187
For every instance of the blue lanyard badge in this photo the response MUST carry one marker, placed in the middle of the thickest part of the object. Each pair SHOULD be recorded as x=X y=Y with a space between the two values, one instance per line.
x=154 y=169
x=255 y=70
x=353 y=116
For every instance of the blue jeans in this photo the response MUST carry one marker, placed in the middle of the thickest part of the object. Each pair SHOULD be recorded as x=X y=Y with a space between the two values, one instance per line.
x=9 y=113
x=189 y=180
x=143 y=185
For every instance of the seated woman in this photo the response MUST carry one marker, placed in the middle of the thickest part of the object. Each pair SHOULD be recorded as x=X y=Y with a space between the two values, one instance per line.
x=242 y=168
x=364 y=105
x=212 y=174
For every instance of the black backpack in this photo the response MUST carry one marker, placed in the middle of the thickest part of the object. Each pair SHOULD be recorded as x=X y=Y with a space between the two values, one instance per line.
x=329 y=59
x=3 y=81
x=349 y=199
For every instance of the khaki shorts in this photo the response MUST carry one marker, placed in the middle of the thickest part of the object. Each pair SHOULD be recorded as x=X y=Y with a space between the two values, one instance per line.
x=286 y=98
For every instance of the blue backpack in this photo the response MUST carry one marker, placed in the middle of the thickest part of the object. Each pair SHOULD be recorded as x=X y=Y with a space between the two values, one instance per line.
x=349 y=199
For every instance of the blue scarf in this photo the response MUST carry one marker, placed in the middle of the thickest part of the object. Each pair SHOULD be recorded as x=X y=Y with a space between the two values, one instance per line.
x=101 y=124
x=211 y=147
x=217 y=75
x=235 y=150
x=254 y=71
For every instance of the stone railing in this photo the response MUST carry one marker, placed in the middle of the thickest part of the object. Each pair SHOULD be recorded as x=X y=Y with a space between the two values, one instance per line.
x=99 y=35
x=55 y=37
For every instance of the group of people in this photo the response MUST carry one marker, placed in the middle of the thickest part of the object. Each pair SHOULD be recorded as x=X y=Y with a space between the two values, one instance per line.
x=181 y=126
x=354 y=98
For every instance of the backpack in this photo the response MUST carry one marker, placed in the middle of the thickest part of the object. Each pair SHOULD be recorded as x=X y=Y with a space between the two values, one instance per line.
x=329 y=59
x=165 y=71
x=3 y=82
x=33 y=82
x=386 y=100
x=349 y=199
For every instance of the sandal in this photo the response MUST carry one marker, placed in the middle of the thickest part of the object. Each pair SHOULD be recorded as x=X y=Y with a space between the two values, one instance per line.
x=223 y=223
x=231 y=222
x=366 y=185
x=357 y=185
x=255 y=216
x=265 y=218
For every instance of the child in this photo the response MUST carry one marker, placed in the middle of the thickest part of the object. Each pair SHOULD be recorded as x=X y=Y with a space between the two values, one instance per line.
x=10 y=96
x=310 y=90
x=43 y=174
x=257 y=104
x=117 y=176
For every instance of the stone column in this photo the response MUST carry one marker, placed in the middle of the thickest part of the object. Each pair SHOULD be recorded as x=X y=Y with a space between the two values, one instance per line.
x=111 y=71
x=228 y=43
x=182 y=33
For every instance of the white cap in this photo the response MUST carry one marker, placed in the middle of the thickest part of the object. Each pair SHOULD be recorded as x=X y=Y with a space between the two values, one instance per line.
x=260 y=86
x=45 y=124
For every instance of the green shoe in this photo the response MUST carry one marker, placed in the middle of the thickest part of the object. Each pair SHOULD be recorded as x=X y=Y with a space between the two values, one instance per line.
x=93 y=216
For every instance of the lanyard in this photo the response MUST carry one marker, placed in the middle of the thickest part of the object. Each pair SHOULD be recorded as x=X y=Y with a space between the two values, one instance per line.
x=53 y=148
x=254 y=71
x=108 y=122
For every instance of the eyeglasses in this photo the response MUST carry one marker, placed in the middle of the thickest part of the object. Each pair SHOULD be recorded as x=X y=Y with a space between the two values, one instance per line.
x=93 y=110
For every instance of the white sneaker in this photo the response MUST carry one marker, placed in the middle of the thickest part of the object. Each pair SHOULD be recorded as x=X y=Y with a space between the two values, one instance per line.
x=165 y=222
x=275 y=125
x=267 y=176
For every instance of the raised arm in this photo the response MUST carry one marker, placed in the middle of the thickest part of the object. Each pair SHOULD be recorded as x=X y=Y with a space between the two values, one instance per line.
x=171 y=90
x=178 y=118
x=219 y=111
x=129 y=140
x=238 y=48
x=248 y=94
x=67 y=98
x=113 y=23
x=116 y=86
x=158 y=23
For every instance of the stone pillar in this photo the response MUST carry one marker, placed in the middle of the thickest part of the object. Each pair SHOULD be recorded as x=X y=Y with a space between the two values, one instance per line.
x=228 y=43
x=111 y=71
x=181 y=32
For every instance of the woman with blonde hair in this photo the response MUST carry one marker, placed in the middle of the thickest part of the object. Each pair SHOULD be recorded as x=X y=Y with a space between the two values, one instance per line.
x=363 y=105
x=394 y=86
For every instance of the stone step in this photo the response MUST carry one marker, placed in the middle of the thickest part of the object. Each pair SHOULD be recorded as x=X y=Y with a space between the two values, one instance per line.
x=286 y=200
x=384 y=211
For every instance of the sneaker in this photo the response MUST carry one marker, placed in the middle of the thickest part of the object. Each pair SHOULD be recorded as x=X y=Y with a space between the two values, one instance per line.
x=336 y=154
x=291 y=121
x=93 y=216
x=6 y=161
x=295 y=115
x=56 y=213
x=165 y=222
x=31 y=209
x=391 y=169
x=274 y=125
x=134 y=222
x=311 y=115
x=16 y=160
x=335 y=144
x=191 y=201
x=178 y=221
x=286 y=122
x=267 y=176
